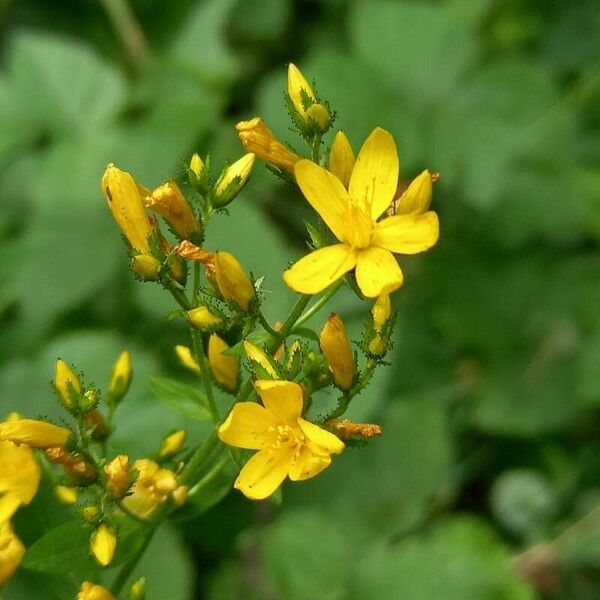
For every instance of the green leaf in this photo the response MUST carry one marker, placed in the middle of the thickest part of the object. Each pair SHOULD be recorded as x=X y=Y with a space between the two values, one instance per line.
x=181 y=397
x=62 y=550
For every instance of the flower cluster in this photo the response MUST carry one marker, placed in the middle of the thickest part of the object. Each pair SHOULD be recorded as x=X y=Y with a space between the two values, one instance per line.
x=272 y=373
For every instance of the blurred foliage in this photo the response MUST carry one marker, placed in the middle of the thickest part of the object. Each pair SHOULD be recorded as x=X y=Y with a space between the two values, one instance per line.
x=491 y=408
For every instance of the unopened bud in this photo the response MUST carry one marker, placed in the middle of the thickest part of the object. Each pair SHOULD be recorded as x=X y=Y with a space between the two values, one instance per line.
x=65 y=495
x=293 y=363
x=67 y=386
x=91 y=513
x=320 y=116
x=336 y=347
x=167 y=200
x=146 y=267
x=120 y=377
x=137 y=591
x=96 y=424
x=89 y=400
x=186 y=359
x=225 y=369
x=90 y=591
x=232 y=281
x=180 y=495
x=203 y=319
x=299 y=90
x=177 y=268
x=172 y=444
x=232 y=180
x=118 y=476
x=261 y=364
x=103 y=544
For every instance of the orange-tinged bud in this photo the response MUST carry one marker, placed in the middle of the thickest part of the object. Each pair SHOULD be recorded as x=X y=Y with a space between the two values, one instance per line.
x=226 y=369
x=203 y=319
x=90 y=591
x=187 y=360
x=346 y=429
x=120 y=377
x=66 y=385
x=336 y=347
x=125 y=200
x=299 y=90
x=146 y=267
x=232 y=281
x=257 y=356
x=36 y=434
x=118 y=476
x=167 y=200
x=232 y=180
x=65 y=495
x=190 y=251
x=341 y=158
x=417 y=197
x=256 y=137
x=96 y=423
x=103 y=544
x=11 y=552
x=81 y=471
x=172 y=444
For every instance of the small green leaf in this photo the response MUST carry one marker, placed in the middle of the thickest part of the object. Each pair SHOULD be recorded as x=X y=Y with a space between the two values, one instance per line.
x=181 y=397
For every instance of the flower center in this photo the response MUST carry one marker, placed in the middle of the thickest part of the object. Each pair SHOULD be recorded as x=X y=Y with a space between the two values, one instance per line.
x=358 y=227
x=284 y=435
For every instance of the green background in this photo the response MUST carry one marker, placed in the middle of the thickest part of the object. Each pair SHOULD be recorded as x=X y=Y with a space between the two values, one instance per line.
x=490 y=408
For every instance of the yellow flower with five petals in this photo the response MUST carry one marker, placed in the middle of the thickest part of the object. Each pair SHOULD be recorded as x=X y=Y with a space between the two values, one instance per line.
x=366 y=243
x=287 y=444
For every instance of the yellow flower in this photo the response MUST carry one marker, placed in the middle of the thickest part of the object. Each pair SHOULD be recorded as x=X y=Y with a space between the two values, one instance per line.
x=341 y=158
x=146 y=267
x=417 y=196
x=36 y=434
x=168 y=201
x=89 y=591
x=172 y=444
x=226 y=369
x=256 y=355
x=65 y=495
x=66 y=384
x=120 y=377
x=187 y=360
x=299 y=90
x=11 y=552
x=233 y=179
x=287 y=444
x=118 y=476
x=232 y=281
x=256 y=137
x=366 y=244
x=125 y=200
x=19 y=472
x=202 y=318
x=103 y=544
x=151 y=488
x=336 y=347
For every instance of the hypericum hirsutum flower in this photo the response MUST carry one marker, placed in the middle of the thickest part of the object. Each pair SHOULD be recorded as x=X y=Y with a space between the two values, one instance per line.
x=366 y=243
x=287 y=444
x=151 y=488
x=90 y=591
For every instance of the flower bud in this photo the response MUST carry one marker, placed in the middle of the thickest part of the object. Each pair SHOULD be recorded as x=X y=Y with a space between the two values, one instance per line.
x=74 y=465
x=11 y=552
x=125 y=200
x=67 y=386
x=91 y=513
x=232 y=180
x=336 y=347
x=180 y=495
x=90 y=591
x=146 y=267
x=346 y=429
x=225 y=369
x=196 y=165
x=380 y=311
x=103 y=544
x=299 y=90
x=203 y=319
x=417 y=196
x=177 y=268
x=118 y=476
x=320 y=116
x=151 y=488
x=341 y=158
x=65 y=495
x=137 y=591
x=232 y=281
x=186 y=359
x=96 y=425
x=36 y=434
x=261 y=364
x=256 y=137
x=120 y=377
x=293 y=363
x=172 y=444
x=168 y=201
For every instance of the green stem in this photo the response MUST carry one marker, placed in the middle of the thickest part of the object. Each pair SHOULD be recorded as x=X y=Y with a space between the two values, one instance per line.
x=177 y=294
x=203 y=451
x=205 y=374
x=289 y=323
x=320 y=303
x=127 y=569
x=263 y=321
x=196 y=280
x=210 y=476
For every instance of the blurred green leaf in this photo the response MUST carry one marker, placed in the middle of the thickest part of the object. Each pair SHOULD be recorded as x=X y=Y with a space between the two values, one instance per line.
x=181 y=397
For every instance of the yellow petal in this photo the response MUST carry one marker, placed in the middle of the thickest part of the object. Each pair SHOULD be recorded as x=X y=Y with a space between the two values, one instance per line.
x=19 y=472
x=321 y=441
x=8 y=506
x=37 y=434
x=341 y=158
x=375 y=176
x=246 y=426
x=264 y=473
x=417 y=196
x=377 y=271
x=321 y=268
x=307 y=464
x=325 y=193
x=407 y=234
x=11 y=552
x=187 y=360
x=282 y=398
x=89 y=591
